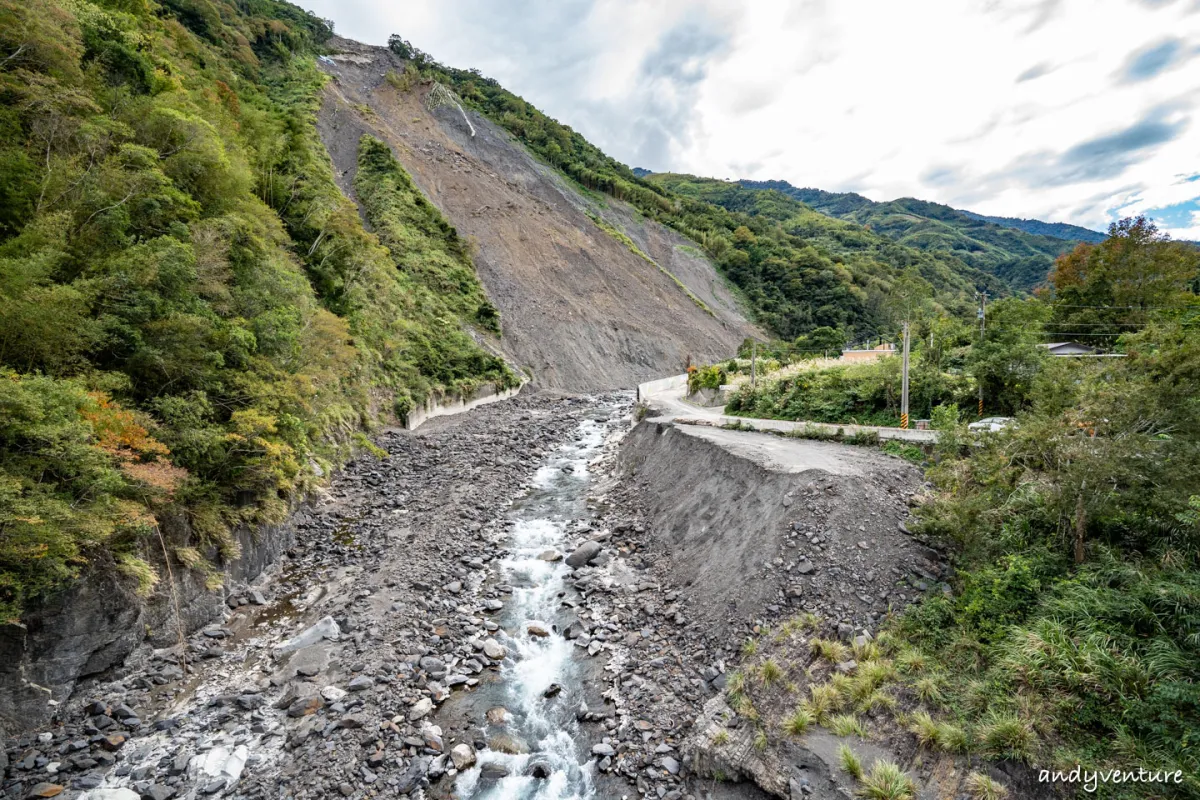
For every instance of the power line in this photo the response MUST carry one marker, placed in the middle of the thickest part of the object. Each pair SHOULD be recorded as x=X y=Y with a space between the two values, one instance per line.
x=1065 y=333
x=1097 y=324
x=1134 y=308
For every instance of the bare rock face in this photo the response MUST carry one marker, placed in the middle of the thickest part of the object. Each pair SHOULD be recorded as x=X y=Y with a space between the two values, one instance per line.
x=98 y=622
x=722 y=746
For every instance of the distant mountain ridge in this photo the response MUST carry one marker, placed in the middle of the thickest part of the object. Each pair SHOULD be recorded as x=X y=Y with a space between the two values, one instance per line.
x=1020 y=252
x=1056 y=230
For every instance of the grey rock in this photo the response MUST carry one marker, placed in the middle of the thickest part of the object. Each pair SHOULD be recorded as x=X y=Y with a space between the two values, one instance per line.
x=583 y=554
x=327 y=628
x=420 y=709
x=463 y=756
x=305 y=706
x=412 y=777
x=493 y=649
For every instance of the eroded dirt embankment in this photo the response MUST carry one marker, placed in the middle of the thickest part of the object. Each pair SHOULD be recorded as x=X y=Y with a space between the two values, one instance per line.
x=764 y=545
x=580 y=311
x=753 y=525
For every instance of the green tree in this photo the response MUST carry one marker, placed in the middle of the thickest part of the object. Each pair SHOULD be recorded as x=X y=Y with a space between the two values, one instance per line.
x=1008 y=359
x=1135 y=276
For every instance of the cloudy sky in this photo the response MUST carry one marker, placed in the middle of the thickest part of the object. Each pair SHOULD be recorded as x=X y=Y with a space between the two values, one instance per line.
x=1078 y=111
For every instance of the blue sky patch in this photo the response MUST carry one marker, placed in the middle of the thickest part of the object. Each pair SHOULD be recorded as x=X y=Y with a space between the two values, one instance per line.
x=1178 y=215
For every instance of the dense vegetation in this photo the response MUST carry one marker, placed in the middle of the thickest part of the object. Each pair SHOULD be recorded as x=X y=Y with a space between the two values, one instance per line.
x=1077 y=616
x=1072 y=634
x=192 y=317
x=1019 y=256
x=856 y=394
x=818 y=273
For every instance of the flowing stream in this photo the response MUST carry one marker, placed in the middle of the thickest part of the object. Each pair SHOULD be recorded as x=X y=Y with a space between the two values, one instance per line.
x=556 y=767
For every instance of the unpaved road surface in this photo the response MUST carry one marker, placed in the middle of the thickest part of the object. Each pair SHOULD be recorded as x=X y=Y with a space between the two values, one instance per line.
x=783 y=455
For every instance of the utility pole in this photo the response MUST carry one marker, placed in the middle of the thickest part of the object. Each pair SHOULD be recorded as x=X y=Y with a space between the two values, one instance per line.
x=753 y=363
x=904 y=383
x=982 y=321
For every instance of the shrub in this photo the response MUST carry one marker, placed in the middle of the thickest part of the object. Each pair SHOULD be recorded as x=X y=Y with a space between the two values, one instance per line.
x=1006 y=735
x=887 y=781
x=799 y=721
x=847 y=725
x=770 y=672
x=832 y=651
x=710 y=377
x=981 y=787
x=924 y=728
x=823 y=701
x=850 y=762
x=928 y=689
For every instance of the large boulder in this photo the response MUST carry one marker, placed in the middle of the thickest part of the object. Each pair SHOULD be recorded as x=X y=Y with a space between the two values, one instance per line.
x=583 y=554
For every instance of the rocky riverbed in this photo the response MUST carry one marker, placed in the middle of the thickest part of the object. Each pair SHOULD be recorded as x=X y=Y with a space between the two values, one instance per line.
x=497 y=608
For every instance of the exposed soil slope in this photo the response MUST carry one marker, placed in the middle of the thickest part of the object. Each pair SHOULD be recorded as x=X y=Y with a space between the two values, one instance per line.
x=580 y=309
x=754 y=526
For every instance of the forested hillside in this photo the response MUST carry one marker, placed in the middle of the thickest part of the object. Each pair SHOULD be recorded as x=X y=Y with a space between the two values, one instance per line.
x=868 y=256
x=192 y=316
x=817 y=274
x=1021 y=257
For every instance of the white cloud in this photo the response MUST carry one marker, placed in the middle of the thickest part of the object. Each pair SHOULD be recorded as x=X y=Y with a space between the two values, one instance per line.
x=1019 y=109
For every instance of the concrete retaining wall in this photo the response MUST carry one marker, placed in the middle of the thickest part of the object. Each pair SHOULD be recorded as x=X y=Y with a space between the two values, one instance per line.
x=644 y=390
x=441 y=406
x=709 y=398
x=787 y=426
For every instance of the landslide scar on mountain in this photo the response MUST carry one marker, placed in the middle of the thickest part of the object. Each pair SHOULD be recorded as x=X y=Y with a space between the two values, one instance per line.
x=592 y=296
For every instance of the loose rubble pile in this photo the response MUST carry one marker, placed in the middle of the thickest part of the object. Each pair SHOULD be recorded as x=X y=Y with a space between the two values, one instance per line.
x=328 y=678
x=324 y=680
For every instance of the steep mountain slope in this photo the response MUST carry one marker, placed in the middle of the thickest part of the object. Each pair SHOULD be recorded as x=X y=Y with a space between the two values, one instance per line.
x=193 y=319
x=591 y=294
x=1020 y=258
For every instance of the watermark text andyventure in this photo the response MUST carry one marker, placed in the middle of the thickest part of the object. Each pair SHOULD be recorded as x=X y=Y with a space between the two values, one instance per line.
x=1091 y=779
